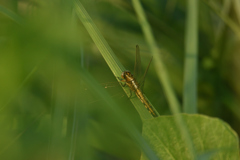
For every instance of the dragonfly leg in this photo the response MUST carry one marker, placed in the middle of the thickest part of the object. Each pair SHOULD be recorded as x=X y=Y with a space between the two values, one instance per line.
x=123 y=84
x=122 y=80
x=119 y=78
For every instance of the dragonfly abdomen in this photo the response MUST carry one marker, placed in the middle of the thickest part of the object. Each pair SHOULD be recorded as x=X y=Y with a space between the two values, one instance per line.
x=145 y=102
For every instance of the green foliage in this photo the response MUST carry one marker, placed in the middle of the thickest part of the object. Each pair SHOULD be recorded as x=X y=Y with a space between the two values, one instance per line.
x=212 y=138
x=53 y=104
x=107 y=53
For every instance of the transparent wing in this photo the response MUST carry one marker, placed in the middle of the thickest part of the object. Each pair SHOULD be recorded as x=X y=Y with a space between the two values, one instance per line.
x=137 y=66
x=142 y=80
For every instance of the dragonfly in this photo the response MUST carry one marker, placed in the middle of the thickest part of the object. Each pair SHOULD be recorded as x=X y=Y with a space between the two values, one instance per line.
x=135 y=86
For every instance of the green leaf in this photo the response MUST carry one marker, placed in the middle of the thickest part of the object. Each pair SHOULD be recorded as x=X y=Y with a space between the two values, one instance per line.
x=212 y=138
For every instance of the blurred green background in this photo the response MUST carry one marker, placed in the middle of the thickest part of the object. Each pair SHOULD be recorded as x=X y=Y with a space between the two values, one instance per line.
x=49 y=111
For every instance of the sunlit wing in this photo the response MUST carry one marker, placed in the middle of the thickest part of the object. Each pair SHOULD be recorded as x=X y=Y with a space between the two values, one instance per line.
x=137 y=67
x=142 y=80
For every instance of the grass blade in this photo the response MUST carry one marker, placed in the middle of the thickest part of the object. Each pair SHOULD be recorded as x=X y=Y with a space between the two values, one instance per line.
x=11 y=15
x=191 y=55
x=107 y=53
x=226 y=19
x=162 y=74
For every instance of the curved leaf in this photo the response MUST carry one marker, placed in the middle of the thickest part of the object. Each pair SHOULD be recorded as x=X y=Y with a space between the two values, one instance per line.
x=212 y=138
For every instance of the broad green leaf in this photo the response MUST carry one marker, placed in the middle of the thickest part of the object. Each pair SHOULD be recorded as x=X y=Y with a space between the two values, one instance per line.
x=213 y=139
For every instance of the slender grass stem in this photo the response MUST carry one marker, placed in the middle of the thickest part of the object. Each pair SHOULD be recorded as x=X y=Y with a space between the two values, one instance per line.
x=162 y=74
x=11 y=15
x=230 y=23
x=191 y=55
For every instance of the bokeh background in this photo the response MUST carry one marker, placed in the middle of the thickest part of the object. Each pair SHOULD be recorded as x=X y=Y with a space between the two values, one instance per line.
x=51 y=109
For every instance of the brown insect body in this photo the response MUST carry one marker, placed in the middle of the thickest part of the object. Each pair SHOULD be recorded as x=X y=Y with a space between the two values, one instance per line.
x=128 y=78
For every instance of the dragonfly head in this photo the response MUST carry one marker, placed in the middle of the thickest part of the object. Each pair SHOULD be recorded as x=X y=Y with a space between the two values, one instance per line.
x=125 y=74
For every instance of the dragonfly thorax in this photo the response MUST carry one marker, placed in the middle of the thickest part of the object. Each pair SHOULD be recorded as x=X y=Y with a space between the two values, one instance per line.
x=126 y=74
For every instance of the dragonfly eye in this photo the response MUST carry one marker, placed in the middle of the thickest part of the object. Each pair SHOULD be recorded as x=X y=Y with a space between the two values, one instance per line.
x=128 y=73
x=123 y=75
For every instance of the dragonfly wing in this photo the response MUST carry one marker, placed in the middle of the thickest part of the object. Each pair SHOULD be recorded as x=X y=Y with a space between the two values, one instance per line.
x=141 y=82
x=137 y=66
